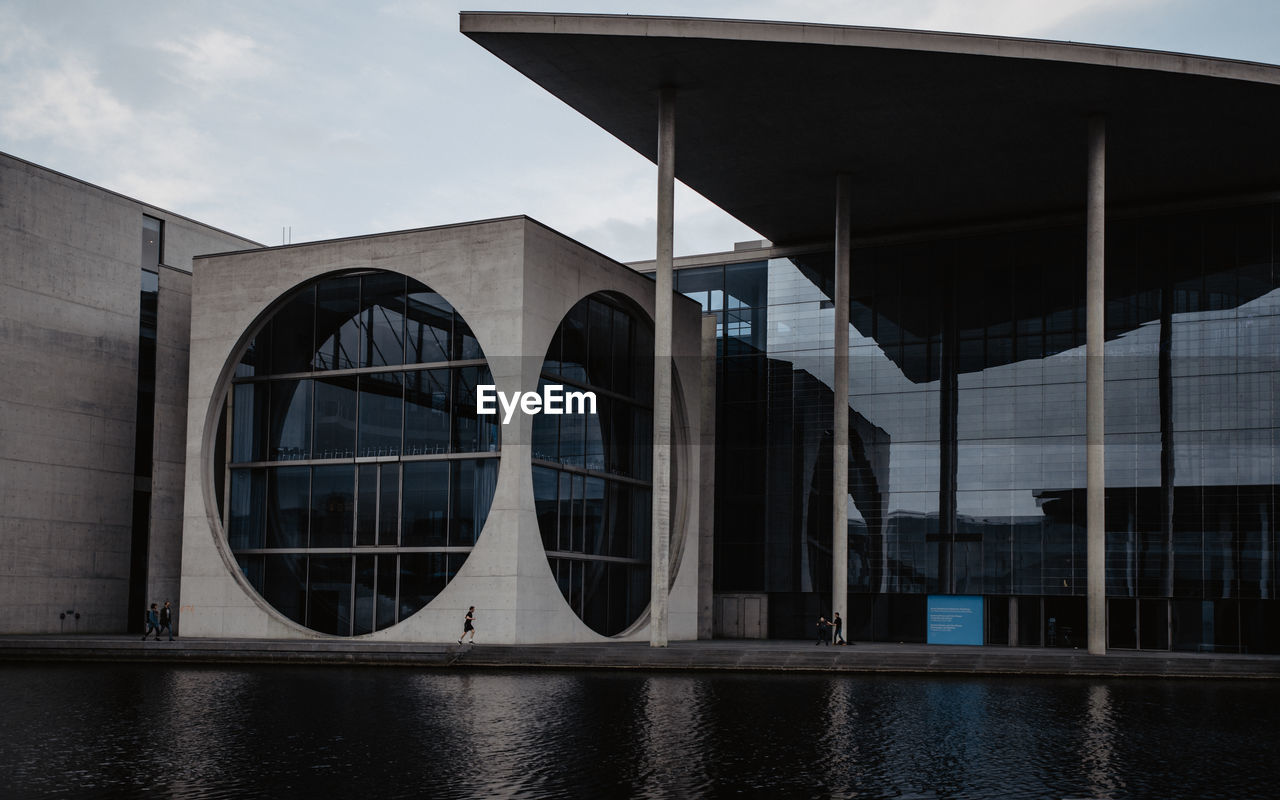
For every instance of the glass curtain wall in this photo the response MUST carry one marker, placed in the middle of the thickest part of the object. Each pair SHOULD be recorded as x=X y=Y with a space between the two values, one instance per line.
x=966 y=451
x=357 y=474
x=592 y=473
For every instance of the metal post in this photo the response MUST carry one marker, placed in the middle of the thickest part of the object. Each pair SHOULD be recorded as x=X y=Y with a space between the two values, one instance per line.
x=662 y=370
x=840 y=409
x=1095 y=425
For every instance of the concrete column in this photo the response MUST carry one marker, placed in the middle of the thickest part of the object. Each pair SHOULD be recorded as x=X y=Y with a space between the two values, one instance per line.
x=707 y=483
x=662 y=370
x=1095 y=424
x=840 y=409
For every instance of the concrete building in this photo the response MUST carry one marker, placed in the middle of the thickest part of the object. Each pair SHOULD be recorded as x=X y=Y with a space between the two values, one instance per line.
x=1004 y=373
x=347 y=481
x=95 y=305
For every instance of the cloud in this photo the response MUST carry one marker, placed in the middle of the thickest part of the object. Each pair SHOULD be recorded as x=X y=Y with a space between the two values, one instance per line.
x=216 y=56
x=66 y=105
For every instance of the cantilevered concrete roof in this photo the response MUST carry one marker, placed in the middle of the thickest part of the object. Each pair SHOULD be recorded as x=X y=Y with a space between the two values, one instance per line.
x=936 y=128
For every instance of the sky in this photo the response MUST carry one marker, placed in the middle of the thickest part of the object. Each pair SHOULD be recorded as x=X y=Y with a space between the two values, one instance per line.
x=338 y=119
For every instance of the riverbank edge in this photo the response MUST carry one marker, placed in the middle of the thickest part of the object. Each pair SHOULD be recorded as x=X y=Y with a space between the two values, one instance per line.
x=715 y=655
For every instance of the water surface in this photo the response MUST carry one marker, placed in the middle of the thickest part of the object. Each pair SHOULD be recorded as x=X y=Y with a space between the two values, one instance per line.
x=111 y=730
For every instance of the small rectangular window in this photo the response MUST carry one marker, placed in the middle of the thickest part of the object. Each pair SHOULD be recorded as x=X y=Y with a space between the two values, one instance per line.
x=152 y=243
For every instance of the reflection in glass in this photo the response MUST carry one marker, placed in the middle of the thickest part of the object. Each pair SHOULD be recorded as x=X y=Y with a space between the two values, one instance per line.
x=359 y=488
x=966 y=451
x=588 y=467
x=381 y=406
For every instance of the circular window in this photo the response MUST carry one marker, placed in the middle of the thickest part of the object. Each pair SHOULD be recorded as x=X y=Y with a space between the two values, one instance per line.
x=592 y=481
x=352 y=472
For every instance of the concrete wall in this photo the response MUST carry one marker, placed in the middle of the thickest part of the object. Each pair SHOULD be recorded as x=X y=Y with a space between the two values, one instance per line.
x=70 y=257
x=512 y=280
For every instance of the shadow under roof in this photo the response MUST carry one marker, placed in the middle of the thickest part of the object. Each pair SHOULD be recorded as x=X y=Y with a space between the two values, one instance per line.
x=936 y=129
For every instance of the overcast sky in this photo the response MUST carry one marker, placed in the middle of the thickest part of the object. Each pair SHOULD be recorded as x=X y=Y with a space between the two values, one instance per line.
x=341 y=119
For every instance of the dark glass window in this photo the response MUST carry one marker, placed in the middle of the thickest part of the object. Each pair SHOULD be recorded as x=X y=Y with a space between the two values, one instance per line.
x=335 y=418
x=382 y=320
x=425 y=513
x=586 y=504
x=337 y=339
x=333 y=506
x=381 y=411
x=426 y=412
x=340 y=539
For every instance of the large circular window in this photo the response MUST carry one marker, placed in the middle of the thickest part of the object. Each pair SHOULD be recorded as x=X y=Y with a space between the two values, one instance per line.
x=352 y=472
x=592 y=473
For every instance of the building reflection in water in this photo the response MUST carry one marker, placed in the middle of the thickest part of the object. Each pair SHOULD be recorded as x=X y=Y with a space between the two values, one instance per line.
x=1097 y=751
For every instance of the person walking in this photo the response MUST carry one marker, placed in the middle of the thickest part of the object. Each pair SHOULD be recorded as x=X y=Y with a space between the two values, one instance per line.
x=838 y=628
x=153 y=623
x=166 y=621
x=822 y=626
x=468 y=626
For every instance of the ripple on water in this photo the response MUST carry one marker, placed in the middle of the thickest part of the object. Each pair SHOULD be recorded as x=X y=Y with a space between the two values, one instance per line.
x=172 y=731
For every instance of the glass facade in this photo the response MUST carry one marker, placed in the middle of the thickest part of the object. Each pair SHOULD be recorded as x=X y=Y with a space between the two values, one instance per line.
x=966 y=418
x=354 y=473
x=592 y=473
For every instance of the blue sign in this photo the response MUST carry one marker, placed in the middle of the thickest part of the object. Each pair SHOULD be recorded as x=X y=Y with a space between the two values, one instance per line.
x=954 y=619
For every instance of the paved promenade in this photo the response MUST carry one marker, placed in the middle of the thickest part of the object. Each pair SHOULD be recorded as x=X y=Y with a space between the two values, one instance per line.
x=743 y=656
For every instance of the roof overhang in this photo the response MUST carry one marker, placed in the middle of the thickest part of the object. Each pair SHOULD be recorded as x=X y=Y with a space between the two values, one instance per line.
x=937 y=129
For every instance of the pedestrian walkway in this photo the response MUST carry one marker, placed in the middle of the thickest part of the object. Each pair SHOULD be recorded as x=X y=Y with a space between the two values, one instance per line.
x=733 y=655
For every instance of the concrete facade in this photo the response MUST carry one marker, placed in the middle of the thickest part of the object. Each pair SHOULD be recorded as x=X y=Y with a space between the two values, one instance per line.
x=70 y=259
x=513 y=281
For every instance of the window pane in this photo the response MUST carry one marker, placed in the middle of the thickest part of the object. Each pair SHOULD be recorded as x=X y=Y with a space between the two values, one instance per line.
x=593 y=517
x=389 y=505
x=290 y=335
x=593 y=445
x=332 y=506
x=472 y=433
x=285 y=585
x=746 y=285
x=579 y=515
x=380 y=410
x=363 y=618
x=335 y=420
x=288 y=497
x=248 y=430
x=152 y=239
x=430 y=319
x=366 y=504
x=337 y=340
x=573 y=436
x=329 y=595
x=248 y=501
x=545 y=501
x=546 y=433
x=290 y=420
x=465 y=345
x=599 y=345
x=622 y=379
x=388 y=576
x=473 y=485
x=426 y=424
x=382 y=320
x=426 y=504
x=618 y=536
